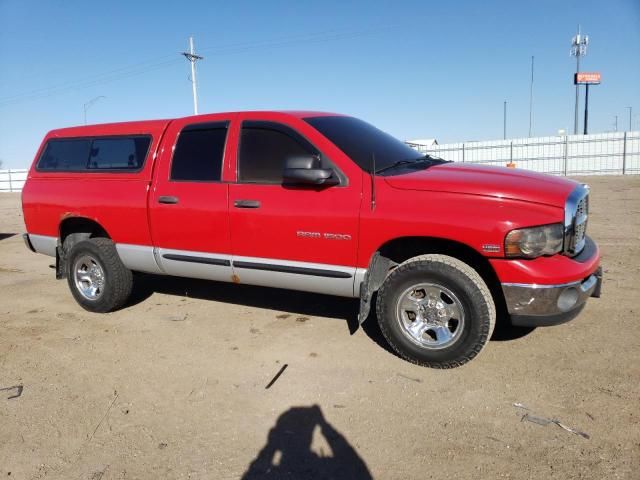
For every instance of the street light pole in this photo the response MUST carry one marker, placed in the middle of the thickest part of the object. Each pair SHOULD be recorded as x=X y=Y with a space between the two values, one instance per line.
x=88 y=105
x=531 y=98
x=504 y=121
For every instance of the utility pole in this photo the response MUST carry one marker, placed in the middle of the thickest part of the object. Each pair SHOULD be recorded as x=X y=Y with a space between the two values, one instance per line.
x=578 y=49
x=616 y=123
x=630 y=110
x=504 y=121
x=531 y=98
x=87 y=105
x=193 y=58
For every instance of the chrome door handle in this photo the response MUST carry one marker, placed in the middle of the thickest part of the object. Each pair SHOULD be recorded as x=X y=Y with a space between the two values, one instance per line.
x=246 y=203
x=168 y=199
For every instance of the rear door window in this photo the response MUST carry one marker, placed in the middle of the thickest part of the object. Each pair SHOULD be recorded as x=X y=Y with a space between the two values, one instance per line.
x=199 y=153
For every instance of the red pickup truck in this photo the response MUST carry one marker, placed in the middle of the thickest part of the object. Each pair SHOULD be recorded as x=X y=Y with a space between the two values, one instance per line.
x=317 y=202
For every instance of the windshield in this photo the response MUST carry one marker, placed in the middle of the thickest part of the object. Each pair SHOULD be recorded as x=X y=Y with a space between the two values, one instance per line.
x=359 y=141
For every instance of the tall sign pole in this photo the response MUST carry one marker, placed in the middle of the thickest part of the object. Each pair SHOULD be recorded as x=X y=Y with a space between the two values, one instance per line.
x=586 y=79
x=193 y=58
x=578 y=49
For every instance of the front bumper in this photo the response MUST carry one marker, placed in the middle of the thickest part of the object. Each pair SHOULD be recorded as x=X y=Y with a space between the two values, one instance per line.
x=532 y=305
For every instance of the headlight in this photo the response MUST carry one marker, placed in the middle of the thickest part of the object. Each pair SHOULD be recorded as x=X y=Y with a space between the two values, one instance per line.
x=535 y=241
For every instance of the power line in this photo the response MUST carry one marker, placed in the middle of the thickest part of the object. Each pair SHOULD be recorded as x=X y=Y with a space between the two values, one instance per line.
x=160 y=62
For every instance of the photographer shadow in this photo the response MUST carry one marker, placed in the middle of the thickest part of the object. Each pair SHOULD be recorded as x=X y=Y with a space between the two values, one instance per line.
x=289 y=452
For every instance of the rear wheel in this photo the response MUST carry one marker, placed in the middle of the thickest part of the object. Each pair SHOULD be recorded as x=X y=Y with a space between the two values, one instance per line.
x=97 y=277
x=436 y=311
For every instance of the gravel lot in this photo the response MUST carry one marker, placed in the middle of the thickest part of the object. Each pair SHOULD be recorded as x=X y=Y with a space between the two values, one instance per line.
x=174 y=385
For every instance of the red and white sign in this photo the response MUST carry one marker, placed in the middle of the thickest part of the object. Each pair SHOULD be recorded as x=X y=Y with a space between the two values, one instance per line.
x=584 y=78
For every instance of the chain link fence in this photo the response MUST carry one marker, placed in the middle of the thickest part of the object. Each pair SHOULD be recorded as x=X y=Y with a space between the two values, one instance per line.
x=12 y=180
x=616 y=153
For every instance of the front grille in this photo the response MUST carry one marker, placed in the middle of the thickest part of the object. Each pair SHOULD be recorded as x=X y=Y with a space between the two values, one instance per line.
x=580 y=229
x=576 y=217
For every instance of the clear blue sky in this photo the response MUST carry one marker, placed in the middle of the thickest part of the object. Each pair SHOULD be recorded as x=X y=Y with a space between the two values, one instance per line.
x=415 y=69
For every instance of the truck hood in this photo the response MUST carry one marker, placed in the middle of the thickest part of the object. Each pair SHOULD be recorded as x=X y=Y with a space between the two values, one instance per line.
x=484 y=180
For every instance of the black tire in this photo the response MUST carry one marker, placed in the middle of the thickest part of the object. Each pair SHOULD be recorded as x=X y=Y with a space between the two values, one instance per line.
x=117 y=280
x=461 y=281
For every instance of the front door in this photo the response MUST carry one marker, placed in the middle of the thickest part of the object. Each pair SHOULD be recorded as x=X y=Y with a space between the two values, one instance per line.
x=189 y=202
x=296 y=237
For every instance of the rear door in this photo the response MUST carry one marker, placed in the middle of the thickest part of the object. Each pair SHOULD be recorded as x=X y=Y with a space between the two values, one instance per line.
x=297 y=237
x=189 y=202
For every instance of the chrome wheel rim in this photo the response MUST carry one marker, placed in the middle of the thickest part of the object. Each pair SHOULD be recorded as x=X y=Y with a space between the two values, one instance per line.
x=89 y=277
x=430 y=315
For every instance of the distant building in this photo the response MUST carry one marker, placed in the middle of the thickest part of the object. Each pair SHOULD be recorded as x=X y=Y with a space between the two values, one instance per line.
x=421 y=144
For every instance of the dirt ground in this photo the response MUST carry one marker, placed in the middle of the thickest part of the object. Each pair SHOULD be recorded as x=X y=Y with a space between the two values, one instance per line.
x=174 y=386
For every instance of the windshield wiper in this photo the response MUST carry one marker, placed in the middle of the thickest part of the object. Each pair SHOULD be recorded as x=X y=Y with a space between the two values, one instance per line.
x=404 y=162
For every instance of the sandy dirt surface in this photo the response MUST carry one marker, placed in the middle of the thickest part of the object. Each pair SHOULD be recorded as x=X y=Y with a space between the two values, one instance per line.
x=173 y=386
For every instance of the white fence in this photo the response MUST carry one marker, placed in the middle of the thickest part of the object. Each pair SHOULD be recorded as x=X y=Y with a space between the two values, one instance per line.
x=600 y=154
x=12 y=180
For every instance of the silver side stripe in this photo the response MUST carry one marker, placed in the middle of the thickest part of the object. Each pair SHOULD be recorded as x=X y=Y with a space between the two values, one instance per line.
x=44 y=244
x=138 y=257
x=208 y=266
x=306 y=276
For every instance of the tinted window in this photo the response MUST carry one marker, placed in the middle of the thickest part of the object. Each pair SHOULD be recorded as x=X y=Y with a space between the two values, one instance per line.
x=199 y=153
x=102 y=153
x=122 y=153
x=65 y=155
x=264 y=148
x=359 y=141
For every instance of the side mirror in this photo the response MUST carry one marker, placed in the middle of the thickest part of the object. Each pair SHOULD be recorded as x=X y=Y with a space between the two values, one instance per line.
x=305 y=170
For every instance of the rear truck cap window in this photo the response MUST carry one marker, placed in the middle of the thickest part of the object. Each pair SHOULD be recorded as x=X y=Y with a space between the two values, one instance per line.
x=123 y=153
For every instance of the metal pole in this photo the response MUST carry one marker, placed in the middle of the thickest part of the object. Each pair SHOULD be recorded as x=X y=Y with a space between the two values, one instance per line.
x=577 y=45
x=89 y=104
x=575 y=120
x=566 y=154
x=630 y=110
x=624 y=154
x=531 y=97
x=504 y=121
x=462 y=152
x=193 y=77
x=586 y=108
x=10 y=185
x=193 y=58
x=616 y=123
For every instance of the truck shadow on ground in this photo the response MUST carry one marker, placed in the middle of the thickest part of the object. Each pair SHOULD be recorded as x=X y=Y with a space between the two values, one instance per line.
x=296 y=303
x=4 y=236
x=290 y=452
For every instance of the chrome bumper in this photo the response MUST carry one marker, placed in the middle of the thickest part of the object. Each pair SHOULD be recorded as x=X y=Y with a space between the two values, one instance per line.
x=540 y=305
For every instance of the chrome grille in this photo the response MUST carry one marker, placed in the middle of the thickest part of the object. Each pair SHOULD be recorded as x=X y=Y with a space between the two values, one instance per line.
x=576 y=216
x=580 y=228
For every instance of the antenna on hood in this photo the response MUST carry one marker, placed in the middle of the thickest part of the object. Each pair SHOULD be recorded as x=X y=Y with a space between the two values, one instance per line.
x=373 y=181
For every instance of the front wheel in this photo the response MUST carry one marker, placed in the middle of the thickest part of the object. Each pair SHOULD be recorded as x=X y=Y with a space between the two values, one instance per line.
x=97 y=277
x=436 y=311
